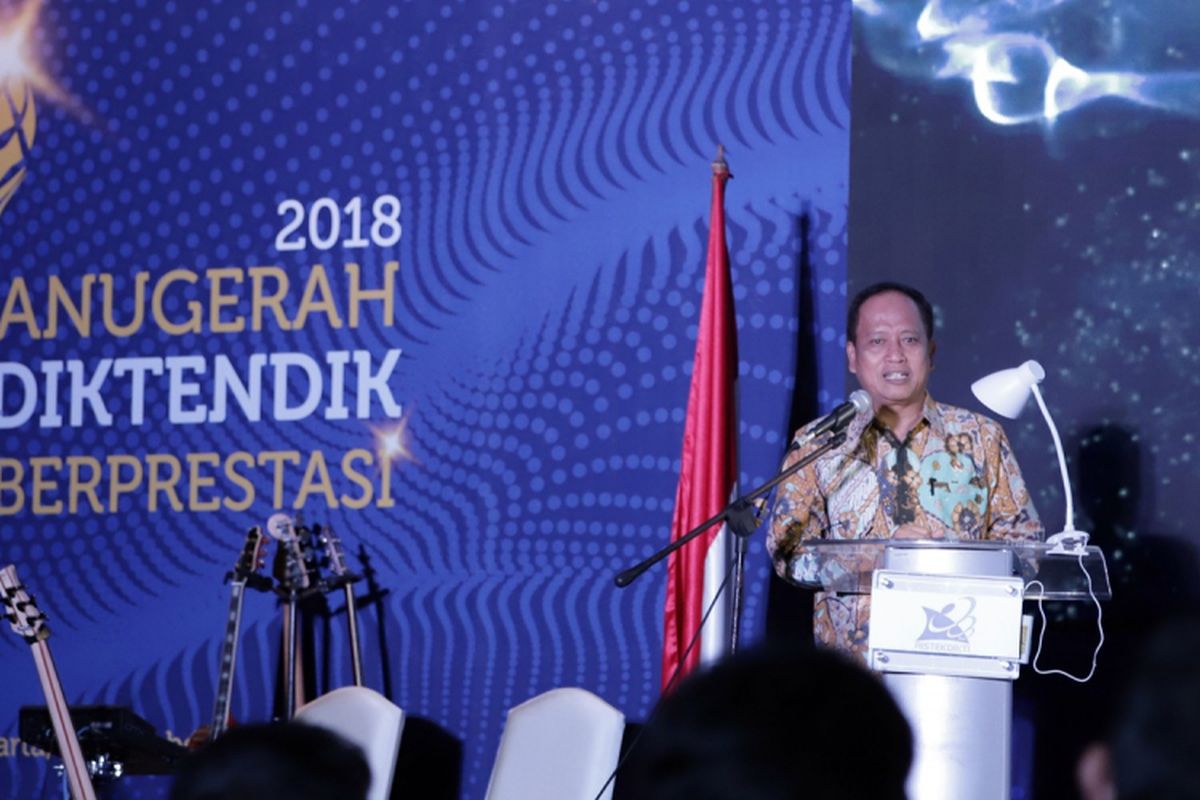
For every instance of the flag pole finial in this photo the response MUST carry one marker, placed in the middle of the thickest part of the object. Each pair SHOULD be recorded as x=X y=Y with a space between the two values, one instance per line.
x=719 y=165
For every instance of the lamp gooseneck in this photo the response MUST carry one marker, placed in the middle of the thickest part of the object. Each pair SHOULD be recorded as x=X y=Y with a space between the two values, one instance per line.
x=1069 y=527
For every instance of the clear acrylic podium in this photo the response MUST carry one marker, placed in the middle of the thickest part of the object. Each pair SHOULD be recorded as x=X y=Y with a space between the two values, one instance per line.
x=945 y=632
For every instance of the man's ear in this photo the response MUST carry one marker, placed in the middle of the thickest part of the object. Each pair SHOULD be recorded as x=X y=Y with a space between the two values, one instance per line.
x=850 y=354
x=932 y=350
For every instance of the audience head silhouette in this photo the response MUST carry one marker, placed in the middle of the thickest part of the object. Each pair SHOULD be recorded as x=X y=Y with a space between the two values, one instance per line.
x=774 y=724
x=1154 y=750
x=274 y=762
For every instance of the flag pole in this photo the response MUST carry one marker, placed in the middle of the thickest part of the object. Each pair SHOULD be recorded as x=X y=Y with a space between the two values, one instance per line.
x=720 y=169
x=708 y=461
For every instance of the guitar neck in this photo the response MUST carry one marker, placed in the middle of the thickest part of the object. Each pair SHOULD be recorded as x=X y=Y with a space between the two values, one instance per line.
x=233 y=624
x=337 y=565
x=78 y=779
x=293 y=664
x=352 y=629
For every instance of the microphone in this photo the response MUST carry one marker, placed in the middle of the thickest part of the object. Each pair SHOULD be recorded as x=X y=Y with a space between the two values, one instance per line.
x=858 y=403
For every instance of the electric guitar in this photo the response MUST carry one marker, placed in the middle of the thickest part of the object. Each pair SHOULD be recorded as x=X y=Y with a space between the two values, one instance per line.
x=337 y=568
x=291 y=570
x=245 y=571
x=30 y=624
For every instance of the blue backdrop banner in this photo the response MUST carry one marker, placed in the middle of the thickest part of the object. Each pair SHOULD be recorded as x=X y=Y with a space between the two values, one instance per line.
x=427 y=275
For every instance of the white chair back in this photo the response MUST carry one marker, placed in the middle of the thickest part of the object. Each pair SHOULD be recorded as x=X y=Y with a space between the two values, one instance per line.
x=561 y=745
x=367 y=719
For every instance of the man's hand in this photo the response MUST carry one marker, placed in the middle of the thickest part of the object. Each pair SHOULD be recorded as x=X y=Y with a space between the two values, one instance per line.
x=915 y=532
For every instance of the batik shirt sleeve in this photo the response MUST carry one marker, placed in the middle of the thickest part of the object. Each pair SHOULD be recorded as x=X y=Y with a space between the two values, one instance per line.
x=1010 y=514
x=799 y=514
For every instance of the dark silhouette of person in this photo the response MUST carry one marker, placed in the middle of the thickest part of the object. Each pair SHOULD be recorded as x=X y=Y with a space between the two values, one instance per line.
x=1153 y=750
x=1154 y=576
x=738 y=730
x=285 y=761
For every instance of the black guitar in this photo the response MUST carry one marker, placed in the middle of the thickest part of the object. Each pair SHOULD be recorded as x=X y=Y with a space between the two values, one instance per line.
x=245 y=571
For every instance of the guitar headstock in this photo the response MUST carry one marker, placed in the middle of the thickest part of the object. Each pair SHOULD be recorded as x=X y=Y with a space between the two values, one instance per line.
x=309 y=539
x=253 y=556
x=20 y=609
x=333 y=552
x=289 y=568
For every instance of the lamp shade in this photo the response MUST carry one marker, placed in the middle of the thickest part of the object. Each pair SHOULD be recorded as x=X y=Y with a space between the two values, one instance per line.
x=1005 y=392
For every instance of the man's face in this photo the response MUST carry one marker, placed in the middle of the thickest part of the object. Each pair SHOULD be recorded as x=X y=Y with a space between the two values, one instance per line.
x=891 y=355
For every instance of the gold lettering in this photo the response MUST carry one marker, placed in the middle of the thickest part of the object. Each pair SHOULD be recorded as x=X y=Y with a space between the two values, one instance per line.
x=79 y=487
x=385 y=484
x=196 y=481
x=81 y=318
x=276 y=458
x=139 y=304
x=240 y=480
x=192 y=325
x=19 y=293
x=218 y=300
x=259 y=300
x=357 y=478
x=387 y=294
x=167 y=486
x=318 y=282
x=12 y=485
x=42 y=484
x=117 y=486
x=316 y=467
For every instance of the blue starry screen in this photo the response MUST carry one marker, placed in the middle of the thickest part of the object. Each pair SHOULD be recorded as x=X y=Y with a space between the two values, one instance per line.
x=1033 y=166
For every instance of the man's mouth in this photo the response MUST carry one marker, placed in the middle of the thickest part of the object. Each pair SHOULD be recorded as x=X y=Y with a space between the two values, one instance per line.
x=895 y=376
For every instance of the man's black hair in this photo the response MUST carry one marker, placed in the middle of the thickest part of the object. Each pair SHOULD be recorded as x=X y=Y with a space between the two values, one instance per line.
x=273 y=762
x=923 y=305
x=773 y=724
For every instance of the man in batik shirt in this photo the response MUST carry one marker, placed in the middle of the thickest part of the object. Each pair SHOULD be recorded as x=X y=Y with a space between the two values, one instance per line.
x=917 y=470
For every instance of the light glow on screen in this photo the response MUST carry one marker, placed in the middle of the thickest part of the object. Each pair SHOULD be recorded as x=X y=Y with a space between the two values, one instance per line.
x=1011 y=53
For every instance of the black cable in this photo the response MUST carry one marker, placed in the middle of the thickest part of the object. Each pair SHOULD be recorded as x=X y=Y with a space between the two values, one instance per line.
x=675 y=676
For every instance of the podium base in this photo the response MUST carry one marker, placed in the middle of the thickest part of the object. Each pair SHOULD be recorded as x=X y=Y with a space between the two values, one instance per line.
x=962 y=727
x=962 y=732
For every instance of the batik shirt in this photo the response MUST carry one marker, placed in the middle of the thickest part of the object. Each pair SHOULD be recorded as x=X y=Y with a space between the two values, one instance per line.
x=953 y=475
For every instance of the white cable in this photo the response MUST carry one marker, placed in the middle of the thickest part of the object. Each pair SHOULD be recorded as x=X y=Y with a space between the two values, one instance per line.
x=1042 y=632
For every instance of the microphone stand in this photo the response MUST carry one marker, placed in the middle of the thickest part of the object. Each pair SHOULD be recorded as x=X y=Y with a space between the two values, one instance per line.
x=742 y=521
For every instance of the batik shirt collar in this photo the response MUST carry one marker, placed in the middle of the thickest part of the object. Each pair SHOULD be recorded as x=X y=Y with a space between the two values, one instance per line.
x=930 y=413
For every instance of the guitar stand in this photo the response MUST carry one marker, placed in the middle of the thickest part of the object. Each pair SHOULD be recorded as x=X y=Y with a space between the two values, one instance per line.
x=346 y=582
x=291 y=599
x=255 y=581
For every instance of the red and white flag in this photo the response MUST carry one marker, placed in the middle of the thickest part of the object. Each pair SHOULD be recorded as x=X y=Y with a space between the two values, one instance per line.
x=708 y=472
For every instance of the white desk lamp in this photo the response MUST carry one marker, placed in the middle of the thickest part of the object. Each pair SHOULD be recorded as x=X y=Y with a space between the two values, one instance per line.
x=1006 y=392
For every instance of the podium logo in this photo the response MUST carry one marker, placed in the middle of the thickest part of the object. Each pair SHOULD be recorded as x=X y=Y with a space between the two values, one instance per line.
x=948 y=629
